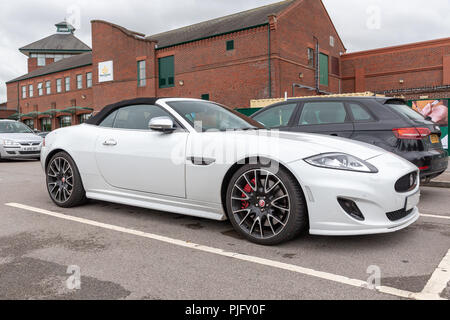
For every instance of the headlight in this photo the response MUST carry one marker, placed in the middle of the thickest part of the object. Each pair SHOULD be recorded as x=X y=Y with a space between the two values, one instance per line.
x=10 y=143
x=341 y=161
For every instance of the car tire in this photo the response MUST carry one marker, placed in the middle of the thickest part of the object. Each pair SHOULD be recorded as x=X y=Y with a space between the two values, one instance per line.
x=64 y=182
x=266 y=206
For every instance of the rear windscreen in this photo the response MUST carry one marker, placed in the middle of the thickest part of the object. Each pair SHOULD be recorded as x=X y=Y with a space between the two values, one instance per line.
x=406 y=111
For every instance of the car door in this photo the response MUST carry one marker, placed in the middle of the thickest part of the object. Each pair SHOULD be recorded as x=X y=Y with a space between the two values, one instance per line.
x=324 y=117
x=131 y=157
x=278 y=116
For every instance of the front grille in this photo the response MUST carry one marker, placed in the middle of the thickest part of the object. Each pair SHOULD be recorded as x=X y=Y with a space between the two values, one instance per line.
x=27 y=144
x=407 y=183
x=399 y=214
x=29 y=152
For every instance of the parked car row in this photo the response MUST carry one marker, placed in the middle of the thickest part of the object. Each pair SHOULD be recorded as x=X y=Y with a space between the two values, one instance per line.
x=341 y=166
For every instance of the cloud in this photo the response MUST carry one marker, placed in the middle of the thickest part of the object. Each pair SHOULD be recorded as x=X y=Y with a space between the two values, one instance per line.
x=25 y=21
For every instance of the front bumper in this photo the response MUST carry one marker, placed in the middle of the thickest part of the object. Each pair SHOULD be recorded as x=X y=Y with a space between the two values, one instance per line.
x=374 y=194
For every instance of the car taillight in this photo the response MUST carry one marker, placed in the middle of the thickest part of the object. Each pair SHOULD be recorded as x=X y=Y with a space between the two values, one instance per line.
x=43 y=142
x=412 y=133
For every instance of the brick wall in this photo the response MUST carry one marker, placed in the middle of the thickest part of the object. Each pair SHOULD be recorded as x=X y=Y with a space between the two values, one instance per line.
x=111 y=42
x=410 y=66
x=230 y=77
x=80 y=97
x=295 y=33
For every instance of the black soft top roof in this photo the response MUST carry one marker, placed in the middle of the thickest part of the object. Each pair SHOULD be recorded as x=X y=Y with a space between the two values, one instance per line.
x=106 y=111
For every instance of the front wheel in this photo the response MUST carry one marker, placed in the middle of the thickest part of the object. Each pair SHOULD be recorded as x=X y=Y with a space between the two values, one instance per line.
x=64 y=183
x=266 y=206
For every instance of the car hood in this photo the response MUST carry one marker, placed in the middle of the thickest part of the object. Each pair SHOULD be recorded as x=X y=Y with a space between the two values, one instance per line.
x=20 y=136
x=294 y=146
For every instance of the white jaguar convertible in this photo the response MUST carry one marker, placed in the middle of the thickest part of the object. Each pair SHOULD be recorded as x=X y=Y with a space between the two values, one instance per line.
x=202 y=159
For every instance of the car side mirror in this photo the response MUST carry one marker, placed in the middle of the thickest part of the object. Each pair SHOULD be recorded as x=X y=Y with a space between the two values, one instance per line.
x=162 y=124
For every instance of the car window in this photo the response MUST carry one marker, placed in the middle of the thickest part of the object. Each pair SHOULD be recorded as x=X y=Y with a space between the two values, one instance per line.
x=323 y=113
x=404 y=110
x=138 y=117
x=277 y=116
x=14 y=127
x=359 y=113
x=205 y=116
x=109 y=120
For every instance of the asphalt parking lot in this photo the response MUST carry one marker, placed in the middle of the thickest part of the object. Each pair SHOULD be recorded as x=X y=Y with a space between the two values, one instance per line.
x=124 y=252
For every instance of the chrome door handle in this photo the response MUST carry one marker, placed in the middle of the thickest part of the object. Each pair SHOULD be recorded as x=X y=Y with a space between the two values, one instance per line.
x=110 y=142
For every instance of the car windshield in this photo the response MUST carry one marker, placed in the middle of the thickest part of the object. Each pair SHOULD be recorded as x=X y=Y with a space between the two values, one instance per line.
x=406 y=111
x=207 y=116
x=14 y=127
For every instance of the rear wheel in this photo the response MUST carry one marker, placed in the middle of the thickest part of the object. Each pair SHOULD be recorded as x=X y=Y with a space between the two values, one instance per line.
x=64 y=183
x=266 y=206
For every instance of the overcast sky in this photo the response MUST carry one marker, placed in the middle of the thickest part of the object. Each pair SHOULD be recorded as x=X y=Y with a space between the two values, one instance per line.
x=362 y=24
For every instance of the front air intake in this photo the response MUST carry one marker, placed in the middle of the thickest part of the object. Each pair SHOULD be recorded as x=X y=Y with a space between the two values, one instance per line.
x=351 y=209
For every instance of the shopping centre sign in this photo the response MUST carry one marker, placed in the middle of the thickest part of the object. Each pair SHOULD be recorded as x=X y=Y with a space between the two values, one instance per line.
x=105 y=71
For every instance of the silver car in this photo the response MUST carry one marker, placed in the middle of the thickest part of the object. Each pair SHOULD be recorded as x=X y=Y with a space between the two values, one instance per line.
x=17 y=141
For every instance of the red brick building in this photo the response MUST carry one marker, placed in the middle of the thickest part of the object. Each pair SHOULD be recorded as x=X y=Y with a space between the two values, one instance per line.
x=414 y=71
x=5 y=113
x=290 y=46
x=258 y=53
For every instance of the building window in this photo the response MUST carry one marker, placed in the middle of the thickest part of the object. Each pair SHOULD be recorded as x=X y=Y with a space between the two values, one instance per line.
x=84 y=117
x=323 y=65
x=46 y=124
x=230 y=45
x=79 y=81
x=205 y=96
x=65 y=121
x=30 y=91
x=58 y=85
x=166 y=72
x=67 y=81
x=41 y=60
x=331 y=41
x=142 y=82
x=335 y=66
x=48 y=87
x=24 y=92
x=58 y=57
x=40 y=89
x=89 y=80
x=311 y=57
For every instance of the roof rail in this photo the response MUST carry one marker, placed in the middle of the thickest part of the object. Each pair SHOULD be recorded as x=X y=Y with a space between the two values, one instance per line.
x=261 y=103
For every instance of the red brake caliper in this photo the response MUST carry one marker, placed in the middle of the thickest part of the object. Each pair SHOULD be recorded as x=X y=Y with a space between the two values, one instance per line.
x=248 y=189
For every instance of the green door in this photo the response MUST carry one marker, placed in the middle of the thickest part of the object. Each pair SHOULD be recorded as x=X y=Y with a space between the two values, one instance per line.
x=323 y=67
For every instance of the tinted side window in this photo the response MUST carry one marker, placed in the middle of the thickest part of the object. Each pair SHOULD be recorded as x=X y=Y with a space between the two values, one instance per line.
x=406 y=111
x=277 y=116
x=359 y=113
x=138 y=117
x=323 y=113
x=109 y=120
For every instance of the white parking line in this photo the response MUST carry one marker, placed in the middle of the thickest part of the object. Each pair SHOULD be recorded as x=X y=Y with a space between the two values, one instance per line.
x=439 y=280
x=435 y=216
x=271 y=263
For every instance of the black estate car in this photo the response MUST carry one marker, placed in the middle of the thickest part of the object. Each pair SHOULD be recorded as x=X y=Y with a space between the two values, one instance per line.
x=385 y=122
